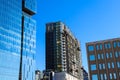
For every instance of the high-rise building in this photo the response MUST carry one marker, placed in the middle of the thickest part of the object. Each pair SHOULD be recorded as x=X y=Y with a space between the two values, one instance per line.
x=62 y=50
x=17 y=39
x=104 y=59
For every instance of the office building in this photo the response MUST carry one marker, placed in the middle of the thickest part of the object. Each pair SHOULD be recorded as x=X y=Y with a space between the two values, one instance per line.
x=17 y=39
x=104 y=59
x=62 y=50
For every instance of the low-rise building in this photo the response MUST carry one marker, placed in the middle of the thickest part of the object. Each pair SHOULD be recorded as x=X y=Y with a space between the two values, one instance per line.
x=38 y=75
x=50 y=75
x=85 y=74
x=64 y=76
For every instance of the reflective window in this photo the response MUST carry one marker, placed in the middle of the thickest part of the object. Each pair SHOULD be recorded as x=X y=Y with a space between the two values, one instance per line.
x=110 y=54
x=114 y=44
x=113 y=65
x=101 y=76
x=10 y=38
x=110 y=75
x=93 y=67
x=119 y=53
x=119 y=44
x=107 y=55
x=98 y=56
x=100 y=66
x=97 y=47
x=102 y=56
x=100 y=46
x=116 y=54
x=94 y=77
x=92 y=57
x=107 y=45
x=118 y=64
x=105 y=76
x=30 y=4
x=109 y=65
x=103 y=66
x=114 y=74
x=91 y=48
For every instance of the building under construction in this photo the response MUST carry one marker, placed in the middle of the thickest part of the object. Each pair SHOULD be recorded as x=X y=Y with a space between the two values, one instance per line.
x=62 y=50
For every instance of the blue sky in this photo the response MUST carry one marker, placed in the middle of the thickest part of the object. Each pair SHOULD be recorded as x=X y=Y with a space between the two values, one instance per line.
x=89 y=20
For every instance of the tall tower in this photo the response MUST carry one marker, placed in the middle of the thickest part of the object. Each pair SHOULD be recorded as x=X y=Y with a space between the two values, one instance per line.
x=104 y=59
x=62 y=50
x=17 y=39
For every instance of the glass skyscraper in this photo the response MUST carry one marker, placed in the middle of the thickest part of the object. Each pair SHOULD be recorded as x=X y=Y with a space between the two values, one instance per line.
x=17 y=39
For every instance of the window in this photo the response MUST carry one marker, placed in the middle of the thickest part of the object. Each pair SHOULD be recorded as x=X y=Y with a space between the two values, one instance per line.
x=91 y=48
x=116 y=54
x=102 y=56
x=110 y=54
x=114 y=44
x=107 y=45
x=107 y=55
x=119 y=53
x=110 y=75
x=94 y=77
x=100 y=66
x=109 y=65
x=93 y=67
x=100 y=46
x=101 y=76
x=92 y=57
x=114 y=74
x=97 y=47
x=113 y=65
x=118 y=44
x=105 y=76
x=98 y=56
x=103 y=66
x=118 y=64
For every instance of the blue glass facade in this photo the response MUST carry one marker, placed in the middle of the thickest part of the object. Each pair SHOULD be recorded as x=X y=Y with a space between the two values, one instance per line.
x=29 y=42
x=31 y=5
x=17 y=40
